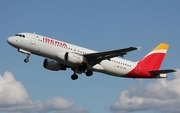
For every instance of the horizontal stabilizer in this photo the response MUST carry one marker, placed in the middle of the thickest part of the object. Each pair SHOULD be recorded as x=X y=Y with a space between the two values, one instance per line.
x=162 y=71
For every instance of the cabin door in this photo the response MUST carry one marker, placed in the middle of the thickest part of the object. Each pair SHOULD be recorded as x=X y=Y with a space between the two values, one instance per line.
x=33 y=39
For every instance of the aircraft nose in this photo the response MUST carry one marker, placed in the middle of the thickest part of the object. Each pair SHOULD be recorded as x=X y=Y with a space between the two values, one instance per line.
x=10 y=40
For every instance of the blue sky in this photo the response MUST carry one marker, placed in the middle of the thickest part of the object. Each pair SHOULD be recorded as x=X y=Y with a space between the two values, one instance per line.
x=99 y=25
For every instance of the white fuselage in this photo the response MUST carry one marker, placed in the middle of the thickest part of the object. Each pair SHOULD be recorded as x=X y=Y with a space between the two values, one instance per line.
x=48 y=47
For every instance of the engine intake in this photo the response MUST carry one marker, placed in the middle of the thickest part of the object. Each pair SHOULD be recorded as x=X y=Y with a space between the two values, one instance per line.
x=53 y=65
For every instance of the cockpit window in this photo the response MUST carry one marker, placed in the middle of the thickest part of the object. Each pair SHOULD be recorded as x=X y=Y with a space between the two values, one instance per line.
x=20 y=35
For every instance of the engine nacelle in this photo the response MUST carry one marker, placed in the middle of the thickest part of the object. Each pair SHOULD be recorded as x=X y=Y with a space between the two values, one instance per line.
x=53 y=65
x=71 y=57
x=162 y=76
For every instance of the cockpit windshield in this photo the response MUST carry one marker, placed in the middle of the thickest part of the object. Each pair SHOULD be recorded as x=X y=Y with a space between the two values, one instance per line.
x=20 y=35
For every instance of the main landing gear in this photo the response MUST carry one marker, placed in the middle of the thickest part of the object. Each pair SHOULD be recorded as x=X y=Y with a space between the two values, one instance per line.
x=75 y=76
x=27 y=58
x=89 y=73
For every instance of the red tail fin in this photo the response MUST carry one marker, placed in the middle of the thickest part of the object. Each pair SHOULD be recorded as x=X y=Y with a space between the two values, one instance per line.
x=154 y=59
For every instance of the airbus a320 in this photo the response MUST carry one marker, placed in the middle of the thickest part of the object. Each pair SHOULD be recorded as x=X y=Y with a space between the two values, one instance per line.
x=60 y=55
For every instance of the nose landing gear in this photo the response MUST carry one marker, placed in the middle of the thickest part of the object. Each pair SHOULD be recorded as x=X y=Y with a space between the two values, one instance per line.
x=25 y=52
x=27 y=58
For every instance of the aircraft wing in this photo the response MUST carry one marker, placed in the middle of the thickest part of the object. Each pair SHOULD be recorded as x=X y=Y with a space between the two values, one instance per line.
x=94 y=58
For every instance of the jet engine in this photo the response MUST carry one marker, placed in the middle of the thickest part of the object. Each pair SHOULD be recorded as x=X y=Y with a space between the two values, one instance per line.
x=53 y=65
x=71 y=57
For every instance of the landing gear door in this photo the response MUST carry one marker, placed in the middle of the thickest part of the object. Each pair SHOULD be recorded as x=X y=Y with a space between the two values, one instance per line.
x=33 y=39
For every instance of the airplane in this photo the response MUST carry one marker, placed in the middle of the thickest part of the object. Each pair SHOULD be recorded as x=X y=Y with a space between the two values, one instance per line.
x=61 y=55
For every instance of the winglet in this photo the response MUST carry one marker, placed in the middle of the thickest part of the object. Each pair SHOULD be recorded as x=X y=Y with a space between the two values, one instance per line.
x=139 y=48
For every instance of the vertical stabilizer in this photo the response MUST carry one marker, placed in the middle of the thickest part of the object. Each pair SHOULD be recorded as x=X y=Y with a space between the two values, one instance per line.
x=154 y=59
